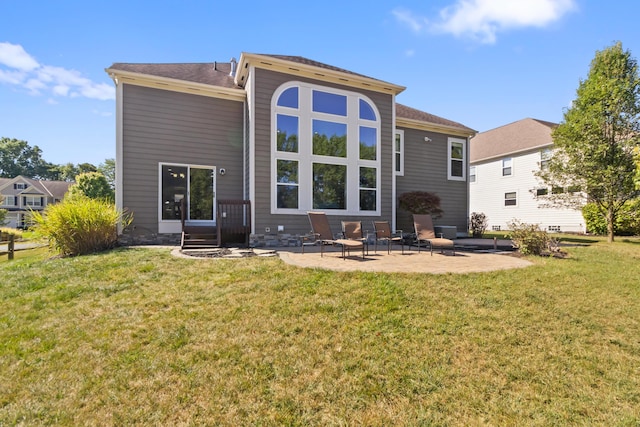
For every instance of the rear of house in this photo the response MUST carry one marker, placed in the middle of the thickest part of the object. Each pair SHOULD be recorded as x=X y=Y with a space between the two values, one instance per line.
x=503 y=184
x=289 y=134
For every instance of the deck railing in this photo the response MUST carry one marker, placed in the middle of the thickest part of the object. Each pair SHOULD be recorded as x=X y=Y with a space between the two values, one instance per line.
x=234 y=221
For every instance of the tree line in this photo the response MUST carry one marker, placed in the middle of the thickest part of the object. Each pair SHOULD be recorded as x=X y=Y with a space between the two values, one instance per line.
x=17 y=157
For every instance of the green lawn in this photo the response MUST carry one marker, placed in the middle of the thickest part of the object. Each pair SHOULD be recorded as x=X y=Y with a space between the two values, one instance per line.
x=136 y=336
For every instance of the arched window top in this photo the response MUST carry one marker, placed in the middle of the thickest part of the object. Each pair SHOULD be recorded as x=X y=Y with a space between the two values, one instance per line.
x=366 y=111
x=289 y=98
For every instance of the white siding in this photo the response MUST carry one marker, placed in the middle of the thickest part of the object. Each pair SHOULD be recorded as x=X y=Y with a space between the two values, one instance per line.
x=487 y=195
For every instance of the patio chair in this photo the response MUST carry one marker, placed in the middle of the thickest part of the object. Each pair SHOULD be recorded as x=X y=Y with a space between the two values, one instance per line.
x=384 y=234
x=425 y=234
x=321 y=231
x=352 y=230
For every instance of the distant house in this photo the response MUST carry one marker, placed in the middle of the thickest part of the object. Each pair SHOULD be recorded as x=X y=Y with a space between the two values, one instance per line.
x=286 y=133
x=21 y=195
x=502 y=181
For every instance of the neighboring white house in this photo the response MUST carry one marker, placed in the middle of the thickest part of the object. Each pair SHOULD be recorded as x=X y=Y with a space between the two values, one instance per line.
x=502 y=181
x=21 y=195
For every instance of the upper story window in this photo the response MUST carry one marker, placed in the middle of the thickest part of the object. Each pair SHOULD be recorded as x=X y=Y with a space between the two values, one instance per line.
x=398 y=153
x=325 y=151
x=20 y=186
x=9 y=201
x=472 y=174
x=507 y=168
x=545 y=156
x=32 y=201
x=457 y=158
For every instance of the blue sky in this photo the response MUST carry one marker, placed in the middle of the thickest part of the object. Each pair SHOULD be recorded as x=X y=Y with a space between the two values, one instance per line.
x=483 y=63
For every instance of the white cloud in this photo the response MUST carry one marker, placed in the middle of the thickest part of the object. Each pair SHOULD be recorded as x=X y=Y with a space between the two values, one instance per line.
x=14 y=56
x=482 y=20
x=19 y=68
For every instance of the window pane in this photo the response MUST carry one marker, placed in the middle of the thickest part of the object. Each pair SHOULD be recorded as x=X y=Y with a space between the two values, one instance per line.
x=366 y=111
x=367 y=143
x=368 y=177
x=288 y=171
x=329 y=138
x=324 y=102
x=287 y=138
x=287 y=197
x=201 y=194
x=456 y=150
x=329 y=186
x=397 y=142
x=289 y=98
x=456 y=168
x=174 y=189
x=398 y=162
x=367 y=200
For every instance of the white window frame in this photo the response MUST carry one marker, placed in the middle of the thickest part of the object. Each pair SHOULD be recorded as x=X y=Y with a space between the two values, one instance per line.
x=9 y=201
x=507 y=163
x=306 y=158
x=21 y=186
x=450 y=142
x=515 y=197
x=473 y=177
x=545 y=156
x=36 y=201
x=175 y=225
x=398 y=151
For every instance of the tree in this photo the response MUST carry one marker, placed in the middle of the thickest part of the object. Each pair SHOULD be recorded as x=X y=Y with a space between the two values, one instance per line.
x=17 y=157
x=594 y=144
x=93 y=185
x=108 y=169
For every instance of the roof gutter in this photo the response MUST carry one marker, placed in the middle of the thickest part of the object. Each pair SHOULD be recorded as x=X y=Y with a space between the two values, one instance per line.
x=175 y=85
x=434 y=127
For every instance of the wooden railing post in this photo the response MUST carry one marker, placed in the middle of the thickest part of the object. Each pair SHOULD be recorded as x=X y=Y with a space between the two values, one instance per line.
x=11 y=245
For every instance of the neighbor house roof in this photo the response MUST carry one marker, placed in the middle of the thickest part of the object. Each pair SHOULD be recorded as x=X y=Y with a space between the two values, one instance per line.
x=55 y=189
x=523 y=135
x=216 y=78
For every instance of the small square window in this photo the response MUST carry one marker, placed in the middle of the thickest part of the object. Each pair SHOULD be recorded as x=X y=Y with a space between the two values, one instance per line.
x=510 y=199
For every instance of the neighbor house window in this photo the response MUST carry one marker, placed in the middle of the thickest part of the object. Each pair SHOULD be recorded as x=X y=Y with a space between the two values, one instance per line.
x=193 y=184
x=457 y=157
x=398 y=153
x=510 y=199
x=32 y=201
x=20 y=186
x=545 y=156
x=507 y=167
x=325 y=151
x=9 y=201
x=542 y=191
x=472 y=174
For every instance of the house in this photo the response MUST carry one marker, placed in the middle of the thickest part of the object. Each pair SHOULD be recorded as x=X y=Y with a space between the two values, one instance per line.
x=502 y=180
x=289 y=134
x=21 y=195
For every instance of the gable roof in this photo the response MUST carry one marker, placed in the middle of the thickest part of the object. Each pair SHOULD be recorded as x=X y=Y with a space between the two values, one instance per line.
x=55 y=189
x=522 y=135
x=216 y=79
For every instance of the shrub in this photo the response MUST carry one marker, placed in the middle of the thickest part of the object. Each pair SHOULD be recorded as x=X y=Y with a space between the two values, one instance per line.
x=420 y=202
x=5 y=232
x=627 y=222
x=528 y=239
x=478 y=224
x=80 y=225
x=93 y=185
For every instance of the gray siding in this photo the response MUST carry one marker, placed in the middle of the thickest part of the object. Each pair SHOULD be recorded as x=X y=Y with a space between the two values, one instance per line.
x=266 y=82
x=425 y=169
x=171 y=127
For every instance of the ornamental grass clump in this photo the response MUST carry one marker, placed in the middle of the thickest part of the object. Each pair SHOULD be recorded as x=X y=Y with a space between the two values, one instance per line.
x=528 y=239
x=80 y=225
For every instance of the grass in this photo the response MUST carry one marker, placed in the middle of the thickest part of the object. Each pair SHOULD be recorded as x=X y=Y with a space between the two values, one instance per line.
x=136 y=336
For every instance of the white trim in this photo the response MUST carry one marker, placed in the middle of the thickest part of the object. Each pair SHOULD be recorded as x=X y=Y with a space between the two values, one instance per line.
x=401 y=152
x=306 y=158
x=465 y=157
x=119 y=173
x=394 y=177
x=251 y=93
x=171 y=226
x=504 y=202
x=507 y=163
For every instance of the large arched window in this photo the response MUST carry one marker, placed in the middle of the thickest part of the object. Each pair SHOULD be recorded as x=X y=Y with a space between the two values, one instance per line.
x=325 y=151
